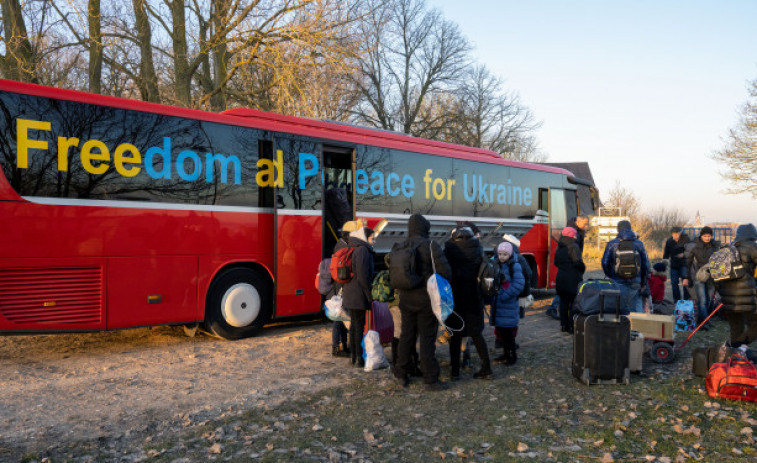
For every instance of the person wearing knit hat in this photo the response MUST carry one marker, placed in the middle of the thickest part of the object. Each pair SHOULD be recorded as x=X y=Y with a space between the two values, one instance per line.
x=505 y=310
x=570 y=273
x=674 y=249
x=626 y=263
x=356 y=293
x=697 y=257
x=657 y=282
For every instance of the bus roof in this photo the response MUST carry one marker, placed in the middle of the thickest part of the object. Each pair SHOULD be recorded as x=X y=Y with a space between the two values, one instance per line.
x=282 y=123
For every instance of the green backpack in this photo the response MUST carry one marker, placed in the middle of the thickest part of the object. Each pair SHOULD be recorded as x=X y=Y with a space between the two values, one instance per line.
x=382 y=289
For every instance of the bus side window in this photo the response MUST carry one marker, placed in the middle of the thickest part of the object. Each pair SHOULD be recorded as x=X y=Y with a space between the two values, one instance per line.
x=544 y=199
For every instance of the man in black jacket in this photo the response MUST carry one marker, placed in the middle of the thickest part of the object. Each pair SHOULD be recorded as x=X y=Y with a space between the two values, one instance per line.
x=674 y=250
x=415 y=307
x=696 y=258
x=740 y=295
x=580 y=224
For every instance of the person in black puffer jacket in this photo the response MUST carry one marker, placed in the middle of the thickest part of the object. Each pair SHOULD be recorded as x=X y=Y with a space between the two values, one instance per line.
x=465 y=255
x=356 y=293
x=415 y=307
x=570 y=273
x=697 y=257
x=740 y=296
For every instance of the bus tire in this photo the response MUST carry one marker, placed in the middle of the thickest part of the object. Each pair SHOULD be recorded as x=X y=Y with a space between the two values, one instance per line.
x=238 y=304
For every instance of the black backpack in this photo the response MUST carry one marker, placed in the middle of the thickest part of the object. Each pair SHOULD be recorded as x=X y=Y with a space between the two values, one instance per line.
x=488 y=270
x=403 y=266
x=627 y=260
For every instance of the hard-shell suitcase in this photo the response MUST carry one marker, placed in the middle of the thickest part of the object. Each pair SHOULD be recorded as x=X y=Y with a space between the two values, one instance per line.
x=636 y=352
x=601 y=344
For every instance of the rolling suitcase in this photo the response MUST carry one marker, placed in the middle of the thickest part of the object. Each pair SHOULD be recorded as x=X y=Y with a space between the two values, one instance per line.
x=636 y=352
x=601 y=344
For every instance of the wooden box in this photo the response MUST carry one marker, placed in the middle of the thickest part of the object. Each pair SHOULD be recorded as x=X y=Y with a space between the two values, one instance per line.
x=653 y=326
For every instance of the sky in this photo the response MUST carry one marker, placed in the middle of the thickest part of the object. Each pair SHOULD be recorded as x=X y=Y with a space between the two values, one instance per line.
x=644 y=91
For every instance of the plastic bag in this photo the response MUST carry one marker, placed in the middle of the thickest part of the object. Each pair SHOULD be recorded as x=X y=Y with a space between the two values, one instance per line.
x=440 y=293
x=373 y=352
x=334 y=309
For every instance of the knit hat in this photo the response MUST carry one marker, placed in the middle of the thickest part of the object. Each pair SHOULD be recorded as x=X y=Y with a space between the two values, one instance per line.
x=624 y=225
x=505 y=247
x=676 y=229
x=511 y=239
x=472 y=226
x=352 y=225
x=659 y=267
x=705 y=231
x=569 y=232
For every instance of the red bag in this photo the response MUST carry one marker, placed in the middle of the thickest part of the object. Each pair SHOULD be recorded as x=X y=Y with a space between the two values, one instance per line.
x=379 y=319
x=735 y=379
x=341 y=265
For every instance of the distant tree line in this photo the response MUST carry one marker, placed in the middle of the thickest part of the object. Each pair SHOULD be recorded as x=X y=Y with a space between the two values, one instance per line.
x=390 y=64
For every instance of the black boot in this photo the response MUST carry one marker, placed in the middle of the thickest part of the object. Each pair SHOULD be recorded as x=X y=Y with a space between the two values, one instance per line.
x=337 y=352
x=512 y=357
x=395 y=349
x=485 y=372
x=503 y=357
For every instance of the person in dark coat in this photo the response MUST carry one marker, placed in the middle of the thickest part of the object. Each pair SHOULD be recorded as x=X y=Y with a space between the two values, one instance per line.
x=505 y=311
x=570 y=273
x=630 y=288
x=697 y=257
x=356 y=295
x=674 y=250
x=739 y=296
x=415 y=308
x=465 y=255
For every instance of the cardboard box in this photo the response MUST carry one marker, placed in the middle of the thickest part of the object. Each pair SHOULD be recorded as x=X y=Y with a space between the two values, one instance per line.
x=653 y=326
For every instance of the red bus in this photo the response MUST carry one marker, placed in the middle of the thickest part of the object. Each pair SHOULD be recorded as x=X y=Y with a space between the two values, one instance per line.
x=119 y=213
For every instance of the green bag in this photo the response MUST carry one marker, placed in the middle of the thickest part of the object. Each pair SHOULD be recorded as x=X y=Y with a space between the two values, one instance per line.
x=382 y=289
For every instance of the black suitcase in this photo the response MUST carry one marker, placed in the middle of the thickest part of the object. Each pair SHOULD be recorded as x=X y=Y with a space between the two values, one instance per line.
x=601 y=344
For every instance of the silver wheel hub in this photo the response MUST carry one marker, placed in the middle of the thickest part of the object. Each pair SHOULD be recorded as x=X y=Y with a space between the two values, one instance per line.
x=240 y=305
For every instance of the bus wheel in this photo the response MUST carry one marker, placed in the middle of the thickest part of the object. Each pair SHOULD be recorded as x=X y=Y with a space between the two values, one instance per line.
x=238 y=304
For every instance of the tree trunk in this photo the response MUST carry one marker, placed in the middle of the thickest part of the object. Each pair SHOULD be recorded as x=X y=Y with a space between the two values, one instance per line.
x=182 y=73
x=94 y=72
x=18 y=61
x=220 y=54
x=147 y=81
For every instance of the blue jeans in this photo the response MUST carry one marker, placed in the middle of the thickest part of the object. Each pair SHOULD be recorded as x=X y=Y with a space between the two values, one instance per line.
x=704 y=295
x=629 y=297
x=676 y=274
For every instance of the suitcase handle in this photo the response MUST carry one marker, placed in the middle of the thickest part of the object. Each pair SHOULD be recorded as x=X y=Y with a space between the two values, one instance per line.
x=613 y=293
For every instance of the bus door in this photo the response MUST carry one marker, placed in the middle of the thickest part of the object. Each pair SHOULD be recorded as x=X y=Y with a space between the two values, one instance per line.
x=338 y=194
x=558 y=219
x=297 y=225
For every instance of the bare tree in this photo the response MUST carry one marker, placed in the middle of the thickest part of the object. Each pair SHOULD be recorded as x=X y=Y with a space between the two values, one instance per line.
x=415 y=56
x=655 y=226
x=19 y=60
x=487 y=116
x=740 y=153
x=623 y=198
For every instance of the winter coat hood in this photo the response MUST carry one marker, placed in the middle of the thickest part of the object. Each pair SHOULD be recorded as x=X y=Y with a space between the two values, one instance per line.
x=626 y=234
x=417 y=225
x=746 y=232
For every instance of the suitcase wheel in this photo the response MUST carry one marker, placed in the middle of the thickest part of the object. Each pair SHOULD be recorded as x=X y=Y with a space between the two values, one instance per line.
x=662 y=352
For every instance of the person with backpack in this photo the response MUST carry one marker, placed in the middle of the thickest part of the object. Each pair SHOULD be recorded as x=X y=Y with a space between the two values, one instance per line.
x=697 y=257
x=328 y=287
x=626 y=263
x=505 y=311
x=674 y=250
x=356 y=295
x=410 y=267
x=739 y=295
x=465 y=256
x=570 y=273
